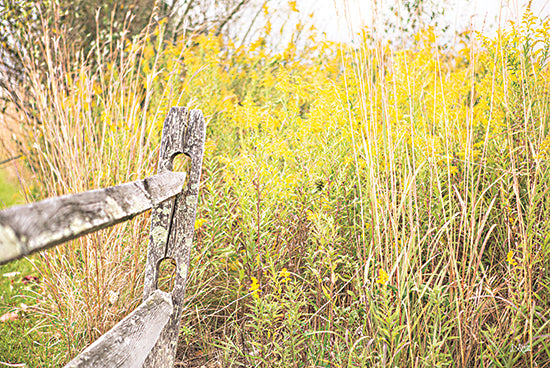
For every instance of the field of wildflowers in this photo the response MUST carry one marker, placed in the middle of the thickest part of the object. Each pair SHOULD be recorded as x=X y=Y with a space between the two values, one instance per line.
x=361 y=206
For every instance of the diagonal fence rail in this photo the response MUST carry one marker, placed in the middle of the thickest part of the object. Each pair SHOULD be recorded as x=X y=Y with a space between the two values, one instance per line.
x=30 y=228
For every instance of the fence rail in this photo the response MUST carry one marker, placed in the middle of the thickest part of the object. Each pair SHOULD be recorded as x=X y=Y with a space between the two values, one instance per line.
x=148 y=336
x=37 y=226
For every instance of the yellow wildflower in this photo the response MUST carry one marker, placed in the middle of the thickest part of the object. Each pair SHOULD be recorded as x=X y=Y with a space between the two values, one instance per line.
x=255 y=287
x=292 y=6
x=284 y=274
x=382 y=277
x=199 y=223
x=510 y=259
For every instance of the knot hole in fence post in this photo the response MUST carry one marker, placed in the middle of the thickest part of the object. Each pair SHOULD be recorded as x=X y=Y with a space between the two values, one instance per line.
x=166 y=275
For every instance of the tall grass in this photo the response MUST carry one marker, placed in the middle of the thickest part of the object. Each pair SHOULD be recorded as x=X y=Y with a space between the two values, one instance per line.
x=403 y=191
x=365 y=206
x=454 y=191
x=94 y=122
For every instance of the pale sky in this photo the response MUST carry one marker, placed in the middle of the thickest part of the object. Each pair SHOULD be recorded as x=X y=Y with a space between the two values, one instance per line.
x=483 y=14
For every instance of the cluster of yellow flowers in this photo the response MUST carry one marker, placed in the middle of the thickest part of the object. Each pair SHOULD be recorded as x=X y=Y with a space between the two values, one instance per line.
x=255 y=290
x=383 y=277
x=255 y=287
x=284 y=275
x=199 y=223
x=285 y=119
x=510 y=259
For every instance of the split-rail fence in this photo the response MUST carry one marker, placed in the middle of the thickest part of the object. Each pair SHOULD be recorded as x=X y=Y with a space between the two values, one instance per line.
x=148 y=336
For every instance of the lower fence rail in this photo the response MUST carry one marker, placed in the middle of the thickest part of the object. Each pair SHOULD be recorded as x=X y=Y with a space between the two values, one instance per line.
x=129 y=342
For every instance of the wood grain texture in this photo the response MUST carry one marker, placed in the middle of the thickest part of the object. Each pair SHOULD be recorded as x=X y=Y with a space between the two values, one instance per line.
x=129 y=342
x=30 y=228
x=178 y=235
x=171 y=145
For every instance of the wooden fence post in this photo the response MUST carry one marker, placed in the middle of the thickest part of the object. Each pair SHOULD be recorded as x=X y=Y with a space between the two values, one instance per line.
x=173 y=221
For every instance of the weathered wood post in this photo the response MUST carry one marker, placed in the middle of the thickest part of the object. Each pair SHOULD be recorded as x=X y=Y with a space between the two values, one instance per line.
x=173 y=221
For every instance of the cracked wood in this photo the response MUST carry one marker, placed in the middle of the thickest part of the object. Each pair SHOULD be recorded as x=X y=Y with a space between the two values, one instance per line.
x=30 y=228
x=184 y=132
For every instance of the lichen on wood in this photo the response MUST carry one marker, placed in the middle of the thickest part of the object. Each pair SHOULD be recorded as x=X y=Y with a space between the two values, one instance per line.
x=33 y=227
x=191 y=129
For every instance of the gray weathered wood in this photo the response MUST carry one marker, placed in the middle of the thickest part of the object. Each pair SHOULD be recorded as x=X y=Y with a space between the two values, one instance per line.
x=129 y=342
x=30 y=228
x=172 y=223
x=161 y=215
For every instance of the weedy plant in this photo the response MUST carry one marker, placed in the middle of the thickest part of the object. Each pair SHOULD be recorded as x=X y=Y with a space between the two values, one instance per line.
x=362 y=206
x=402 y=188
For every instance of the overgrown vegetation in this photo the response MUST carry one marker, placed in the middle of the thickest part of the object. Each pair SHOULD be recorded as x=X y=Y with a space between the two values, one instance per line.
x=366 y=206
x=91 y=29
